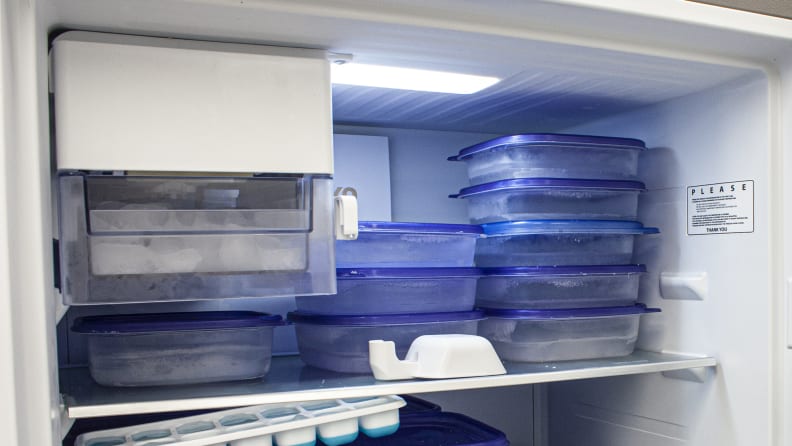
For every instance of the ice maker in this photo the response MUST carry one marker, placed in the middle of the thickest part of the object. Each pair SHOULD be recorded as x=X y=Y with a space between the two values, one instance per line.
x=192 y=170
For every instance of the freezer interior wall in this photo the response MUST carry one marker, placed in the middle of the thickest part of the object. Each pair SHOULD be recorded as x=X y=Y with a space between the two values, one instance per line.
x=717 y=135
x=720 y=135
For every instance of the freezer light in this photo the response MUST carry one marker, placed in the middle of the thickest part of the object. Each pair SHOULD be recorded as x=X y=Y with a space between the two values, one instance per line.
x=409 y=78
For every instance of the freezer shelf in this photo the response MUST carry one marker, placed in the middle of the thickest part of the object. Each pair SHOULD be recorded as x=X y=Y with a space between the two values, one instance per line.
x=289 y=380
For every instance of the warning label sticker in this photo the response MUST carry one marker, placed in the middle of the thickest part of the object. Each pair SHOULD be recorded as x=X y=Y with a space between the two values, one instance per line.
x=721 y=208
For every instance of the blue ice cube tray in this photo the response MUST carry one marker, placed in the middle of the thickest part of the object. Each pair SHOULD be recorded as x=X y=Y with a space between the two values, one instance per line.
x=333 y=422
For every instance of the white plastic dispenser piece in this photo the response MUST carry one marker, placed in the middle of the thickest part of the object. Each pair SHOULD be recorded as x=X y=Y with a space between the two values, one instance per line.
x=346 y=217
x=435 y=357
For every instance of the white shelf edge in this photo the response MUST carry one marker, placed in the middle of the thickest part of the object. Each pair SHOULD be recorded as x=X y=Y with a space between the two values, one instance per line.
x=127 y=405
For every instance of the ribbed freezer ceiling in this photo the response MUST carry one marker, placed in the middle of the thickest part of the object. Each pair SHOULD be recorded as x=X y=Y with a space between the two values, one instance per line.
x=537 y=101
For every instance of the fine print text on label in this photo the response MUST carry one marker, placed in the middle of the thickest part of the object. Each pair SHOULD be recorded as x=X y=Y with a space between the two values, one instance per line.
x=721 y=208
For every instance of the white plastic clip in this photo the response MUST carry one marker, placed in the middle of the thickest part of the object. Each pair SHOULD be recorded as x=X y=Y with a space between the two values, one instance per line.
x=346 y=217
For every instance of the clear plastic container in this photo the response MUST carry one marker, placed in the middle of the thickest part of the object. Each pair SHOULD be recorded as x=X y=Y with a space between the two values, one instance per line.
x=439 y=429
x=548 y=287
x=561 y=335
x=397 y=290
x=130 y=239
x=178 y=348
x=340 y=342
x=552 y=198
x=552 y=156
x=408 y=245
x=558 y=242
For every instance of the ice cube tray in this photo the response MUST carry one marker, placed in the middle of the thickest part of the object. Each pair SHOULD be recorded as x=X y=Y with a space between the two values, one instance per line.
x=334 y=422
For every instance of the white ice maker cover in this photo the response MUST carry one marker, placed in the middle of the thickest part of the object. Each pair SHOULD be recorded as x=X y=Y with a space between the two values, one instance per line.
x=152 y=104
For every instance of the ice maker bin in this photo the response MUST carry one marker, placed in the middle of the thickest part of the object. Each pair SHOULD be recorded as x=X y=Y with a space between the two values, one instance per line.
x=191 y=170
x=158 y=238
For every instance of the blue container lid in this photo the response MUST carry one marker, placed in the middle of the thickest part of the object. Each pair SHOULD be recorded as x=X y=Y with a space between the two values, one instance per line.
x=438 y=429
x=157 y=322
x=566 y=226
x=570 y=313
x=545 y=139
x=584 y=270
x=304 y=317
x=405 y=273
x=549 y=183
x=416 y=228
x=417 y=405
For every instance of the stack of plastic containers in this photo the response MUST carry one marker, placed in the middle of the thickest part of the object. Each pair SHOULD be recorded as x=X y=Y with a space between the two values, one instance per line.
x=558 y=214
x=396 y=282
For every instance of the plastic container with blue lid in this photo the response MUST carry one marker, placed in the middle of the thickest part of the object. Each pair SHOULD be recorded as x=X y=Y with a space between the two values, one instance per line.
x=417 y=405
x=563 y=334
x=551 y=287
x=558 y=243
x=552 y=155
x=408 y=245
x=552 y=198
x=397 y=290
x=436 y=429
x=178 y=348
x=340 y=342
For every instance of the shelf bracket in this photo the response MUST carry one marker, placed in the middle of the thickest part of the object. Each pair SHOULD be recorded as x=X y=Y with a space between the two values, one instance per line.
x=66 y=422
x=696 y=375
x=693 y=374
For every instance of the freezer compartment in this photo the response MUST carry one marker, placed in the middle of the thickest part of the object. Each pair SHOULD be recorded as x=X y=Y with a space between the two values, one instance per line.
x=562 y=335
x=551 y=198
x=397 y=290
x=400 y=244
x=144 y=238
x=178 y=348
x=548 y=287
x=558 y=242
x=340 y=342
x=552 y=155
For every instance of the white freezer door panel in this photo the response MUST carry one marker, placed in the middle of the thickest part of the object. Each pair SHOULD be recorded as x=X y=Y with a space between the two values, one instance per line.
x=137 y=103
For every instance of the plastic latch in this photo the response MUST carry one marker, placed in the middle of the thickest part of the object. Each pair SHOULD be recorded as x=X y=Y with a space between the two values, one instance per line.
x=346 y=217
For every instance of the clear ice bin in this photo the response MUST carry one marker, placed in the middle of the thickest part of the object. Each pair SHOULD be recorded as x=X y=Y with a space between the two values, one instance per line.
x=127 y=239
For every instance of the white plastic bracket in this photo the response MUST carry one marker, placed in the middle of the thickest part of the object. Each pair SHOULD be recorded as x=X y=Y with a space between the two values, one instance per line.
x=60 y=309
x=346 y=217
x=684 y=286
x=66 y=423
